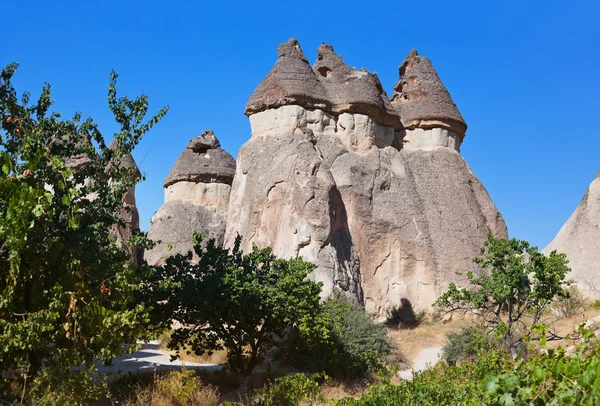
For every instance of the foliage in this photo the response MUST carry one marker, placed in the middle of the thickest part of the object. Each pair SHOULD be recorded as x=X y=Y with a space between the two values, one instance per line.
x=290 y=390
x=549 y=378
x=351 y=345
x=466 y=345
x=74 y=386
x=244 y=303
x=512 y=297
x=177 y=388
x=66 y=288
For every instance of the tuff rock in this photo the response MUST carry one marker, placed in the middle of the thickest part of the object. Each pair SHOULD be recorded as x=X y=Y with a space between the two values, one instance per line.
x=579 y=239
x=374 y=192
x=196 y=197
x=129 y=213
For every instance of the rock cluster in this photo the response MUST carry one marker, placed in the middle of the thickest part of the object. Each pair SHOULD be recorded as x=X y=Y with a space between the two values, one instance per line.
x=196 y=198
x=579 y=239
x=373 y=191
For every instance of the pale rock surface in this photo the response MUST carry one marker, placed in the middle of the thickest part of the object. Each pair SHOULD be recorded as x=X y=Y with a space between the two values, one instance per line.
x=325 y=176
x=579 y=239
x=196 y=198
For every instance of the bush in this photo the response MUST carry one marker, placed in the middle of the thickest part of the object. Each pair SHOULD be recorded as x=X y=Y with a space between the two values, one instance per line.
x=290 y=390
x=465 y=346
x=511 y=297
x=549 y=378
x=569 y=305
x=178 y=388
x=229 y=300
x=353 y=344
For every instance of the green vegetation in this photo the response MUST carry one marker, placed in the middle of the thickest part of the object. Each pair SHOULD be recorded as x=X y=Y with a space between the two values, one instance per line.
x=244 y=303
x=70 y=297
x=514 y=294
x=549 y=378
x=350 y=345
x=66 y=288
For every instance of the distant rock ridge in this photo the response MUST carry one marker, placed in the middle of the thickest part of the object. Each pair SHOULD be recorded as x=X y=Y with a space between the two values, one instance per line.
x=579 y=239
x=196 y=197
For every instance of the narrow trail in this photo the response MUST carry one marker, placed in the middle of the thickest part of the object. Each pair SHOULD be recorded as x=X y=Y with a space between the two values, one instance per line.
x=149 y=358
x=428 y=357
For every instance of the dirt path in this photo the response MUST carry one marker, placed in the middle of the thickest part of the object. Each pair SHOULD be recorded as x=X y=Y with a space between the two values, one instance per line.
x=149 y=358
x=428 y=357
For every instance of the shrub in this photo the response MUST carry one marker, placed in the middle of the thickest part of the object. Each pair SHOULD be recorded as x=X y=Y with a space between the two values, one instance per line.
x=244 y=303
x=290 y=390
x=493 y=378
x=179 y=388
x=569 y=305
x=350 y=346
x=512 y=296
x=466 y=345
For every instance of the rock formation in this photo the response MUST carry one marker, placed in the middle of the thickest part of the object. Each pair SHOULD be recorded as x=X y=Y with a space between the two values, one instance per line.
x=129 y=213
x=579 y=238
x=373 y=191
x=196 y=197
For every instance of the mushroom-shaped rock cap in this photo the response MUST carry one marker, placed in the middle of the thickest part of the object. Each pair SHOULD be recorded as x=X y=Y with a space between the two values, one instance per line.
x=203 y=161
x=353 y=91
x=290 y=81
x=421 y=98
x=126 y=160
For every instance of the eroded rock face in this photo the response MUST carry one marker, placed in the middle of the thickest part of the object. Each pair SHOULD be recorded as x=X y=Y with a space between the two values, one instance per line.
x=196 y=197
x=579 y=238
x=129 y=213
x=325 y=176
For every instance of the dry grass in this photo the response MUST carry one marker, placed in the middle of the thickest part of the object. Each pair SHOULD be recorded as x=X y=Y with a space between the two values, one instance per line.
x=409 y=342
x=217 y=357
x=177 y=388
x=566 y=326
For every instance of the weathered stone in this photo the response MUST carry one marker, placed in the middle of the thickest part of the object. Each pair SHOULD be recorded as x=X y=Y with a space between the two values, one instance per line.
x=196 y=197
x=422 y=100
x=213 y=165
x=579 y=238
x=382 y=224
x=129 y=213
x=204 y=142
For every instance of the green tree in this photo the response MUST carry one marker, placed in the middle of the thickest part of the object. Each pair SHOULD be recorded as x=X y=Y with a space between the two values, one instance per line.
x=66 y=288
x=512 y=296
x=244 y=303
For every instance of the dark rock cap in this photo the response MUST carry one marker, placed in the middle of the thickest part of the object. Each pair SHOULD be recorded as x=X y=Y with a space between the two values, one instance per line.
x=421 y=98
x=330 y=85
x=290 y=81
x=203 y=161
x=204 y=142
x=353 y=91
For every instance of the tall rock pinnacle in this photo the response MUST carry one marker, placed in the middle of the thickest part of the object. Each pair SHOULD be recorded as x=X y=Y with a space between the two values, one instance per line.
x=579 y=238
x=196 y=197
x=325 y=176
x=423 y=102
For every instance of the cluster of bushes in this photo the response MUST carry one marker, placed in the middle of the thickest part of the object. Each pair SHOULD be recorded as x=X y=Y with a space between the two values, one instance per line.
x=494 y=378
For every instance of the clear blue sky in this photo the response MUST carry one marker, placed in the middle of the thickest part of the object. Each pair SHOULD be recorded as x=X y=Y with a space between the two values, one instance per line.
x=524 y=74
